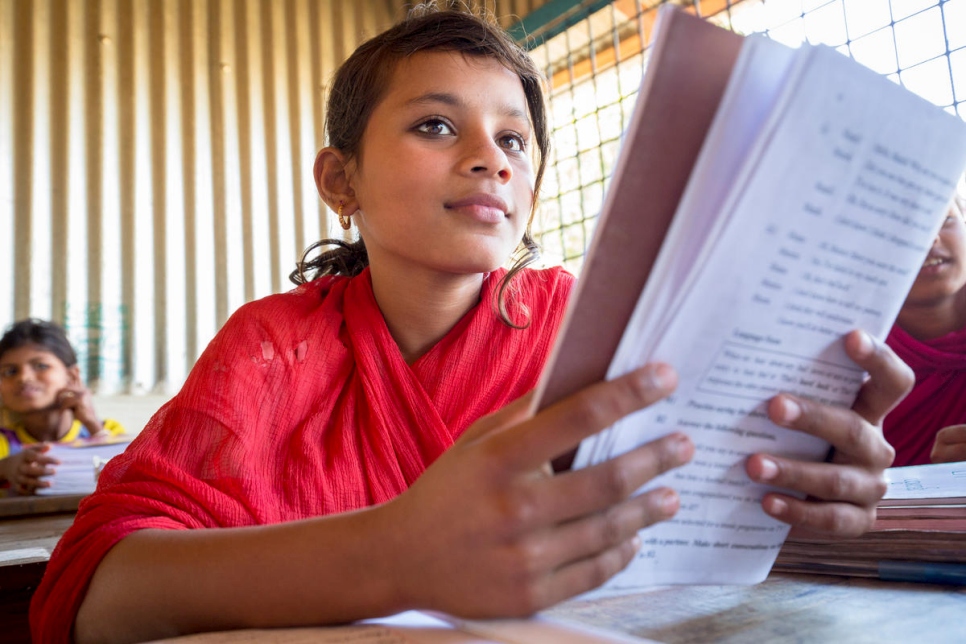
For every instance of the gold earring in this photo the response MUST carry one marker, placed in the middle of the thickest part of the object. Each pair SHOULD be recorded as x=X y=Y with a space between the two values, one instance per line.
x=343 y=219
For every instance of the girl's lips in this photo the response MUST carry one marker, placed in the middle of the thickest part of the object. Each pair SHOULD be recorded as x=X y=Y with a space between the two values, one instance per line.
x=934 y=266
x=485 y=208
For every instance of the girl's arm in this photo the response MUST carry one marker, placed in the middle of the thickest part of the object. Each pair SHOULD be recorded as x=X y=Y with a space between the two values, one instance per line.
x=79 y=400
x=486 y=531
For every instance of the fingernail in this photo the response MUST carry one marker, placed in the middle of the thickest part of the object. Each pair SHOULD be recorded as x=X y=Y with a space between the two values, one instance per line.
x=777 y=507
x=682 y=448
x=662 y=377
x=669 y=502
x=636 y=542
x=769 y=469
x=866 y=347
x=791 y=410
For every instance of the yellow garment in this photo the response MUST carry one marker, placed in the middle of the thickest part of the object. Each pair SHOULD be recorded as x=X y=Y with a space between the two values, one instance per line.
x=77 y=430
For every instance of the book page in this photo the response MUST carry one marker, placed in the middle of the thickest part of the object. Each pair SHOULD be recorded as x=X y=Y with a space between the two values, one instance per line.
x=80 y=463
x=823 y=231
x=751 y=94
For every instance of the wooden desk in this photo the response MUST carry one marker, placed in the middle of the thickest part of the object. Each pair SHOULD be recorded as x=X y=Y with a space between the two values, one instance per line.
x=22 y=563
x=785 y=608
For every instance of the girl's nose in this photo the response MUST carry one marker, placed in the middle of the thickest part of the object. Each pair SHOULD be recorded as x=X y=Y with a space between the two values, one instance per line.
x=486 y=158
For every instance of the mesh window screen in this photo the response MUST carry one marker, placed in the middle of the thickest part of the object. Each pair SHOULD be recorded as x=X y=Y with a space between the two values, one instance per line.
x=595 y=68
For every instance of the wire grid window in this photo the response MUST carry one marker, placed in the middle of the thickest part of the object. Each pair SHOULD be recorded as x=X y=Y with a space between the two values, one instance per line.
x=595 y=66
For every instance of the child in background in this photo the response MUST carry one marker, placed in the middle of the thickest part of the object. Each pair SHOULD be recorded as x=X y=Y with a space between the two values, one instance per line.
x=44 y=402
x=363 y=444
x=929 y=425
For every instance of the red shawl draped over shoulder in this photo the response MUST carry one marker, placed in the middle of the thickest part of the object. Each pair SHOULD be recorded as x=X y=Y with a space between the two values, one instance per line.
x=937 y=400
x=305 y=386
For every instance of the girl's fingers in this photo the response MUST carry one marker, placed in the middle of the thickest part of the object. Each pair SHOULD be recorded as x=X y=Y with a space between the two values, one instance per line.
x=826 y=481
x=67 y=399
x=596 y=533
x=842 y=520
x=516 y=412
x=578 y=493
x=948 y=453
x=950 y=445
x=584 y=575
x=36 y=469
x=890 y=379
x=27 y=484
x=853 y=438
x=39 y=455
x=563 y=425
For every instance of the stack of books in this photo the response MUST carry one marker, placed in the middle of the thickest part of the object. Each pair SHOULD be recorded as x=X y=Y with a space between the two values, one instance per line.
x=919 y=533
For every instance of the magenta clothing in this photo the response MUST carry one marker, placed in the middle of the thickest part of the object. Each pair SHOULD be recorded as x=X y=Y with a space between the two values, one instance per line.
x=937 y=400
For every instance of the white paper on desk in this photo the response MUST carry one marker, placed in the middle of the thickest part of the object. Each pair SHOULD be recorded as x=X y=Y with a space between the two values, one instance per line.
x=78 y=464
x=493 y=631
x=932 y=481
x=821 y=229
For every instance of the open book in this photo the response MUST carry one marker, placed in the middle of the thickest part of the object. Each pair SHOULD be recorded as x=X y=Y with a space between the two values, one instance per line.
x=766 y=202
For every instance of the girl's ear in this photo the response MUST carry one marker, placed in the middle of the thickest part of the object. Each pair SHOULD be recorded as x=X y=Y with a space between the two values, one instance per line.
x=332 y=174
x=74 y=372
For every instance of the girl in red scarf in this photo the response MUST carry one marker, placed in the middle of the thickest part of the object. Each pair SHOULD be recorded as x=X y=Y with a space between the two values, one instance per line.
x=352 y=449
x=42 y=393
x=930 y=336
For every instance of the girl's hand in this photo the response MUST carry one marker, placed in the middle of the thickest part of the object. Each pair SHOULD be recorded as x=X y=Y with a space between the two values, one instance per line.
x=25 y=468
x=77 y=398
x=950 y=445
x=488 y=530
x=842 y=493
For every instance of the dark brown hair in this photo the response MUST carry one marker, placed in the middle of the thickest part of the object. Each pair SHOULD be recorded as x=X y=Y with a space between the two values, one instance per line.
x=47 y=335
x=360 y=84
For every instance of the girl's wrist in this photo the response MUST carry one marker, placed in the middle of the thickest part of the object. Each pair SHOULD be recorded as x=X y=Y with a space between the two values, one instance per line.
x=94 y=426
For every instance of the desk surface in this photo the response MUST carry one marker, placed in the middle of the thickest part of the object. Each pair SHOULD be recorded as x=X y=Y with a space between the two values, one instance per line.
x=785 y=608
x=29 y=532
x=25 y=546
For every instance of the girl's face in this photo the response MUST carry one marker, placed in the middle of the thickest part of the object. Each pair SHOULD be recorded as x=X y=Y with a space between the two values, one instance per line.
x=31 y=377
x=943 y=274
x=444 y=180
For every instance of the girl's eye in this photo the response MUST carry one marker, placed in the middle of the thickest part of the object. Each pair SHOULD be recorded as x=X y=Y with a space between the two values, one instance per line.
x=513 y=142
x=435 y=127
x=41 y=366
x=8 y=372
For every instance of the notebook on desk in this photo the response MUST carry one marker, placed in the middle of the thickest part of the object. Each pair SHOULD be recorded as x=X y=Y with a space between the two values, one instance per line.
x=75 y=478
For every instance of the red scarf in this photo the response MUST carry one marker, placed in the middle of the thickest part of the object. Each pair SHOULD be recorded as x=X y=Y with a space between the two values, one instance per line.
x=310 y=384
x=937 y=400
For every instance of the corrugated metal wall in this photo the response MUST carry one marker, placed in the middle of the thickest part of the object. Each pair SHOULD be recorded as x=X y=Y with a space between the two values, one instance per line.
x=155 y=165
